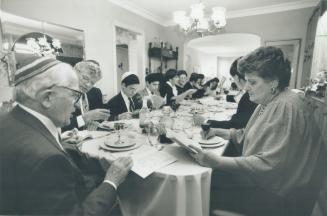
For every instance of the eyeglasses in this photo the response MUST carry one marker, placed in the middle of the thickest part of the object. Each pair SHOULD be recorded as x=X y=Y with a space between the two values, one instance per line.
x=76 y=94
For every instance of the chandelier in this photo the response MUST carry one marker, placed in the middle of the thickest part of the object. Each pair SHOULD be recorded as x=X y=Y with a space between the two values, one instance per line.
x=196 y=22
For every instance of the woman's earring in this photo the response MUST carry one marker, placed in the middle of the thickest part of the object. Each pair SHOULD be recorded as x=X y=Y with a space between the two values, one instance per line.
x=273 y=90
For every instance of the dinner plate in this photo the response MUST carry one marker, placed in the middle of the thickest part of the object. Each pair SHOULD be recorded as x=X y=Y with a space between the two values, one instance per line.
x=108 y=148
x=212 y=145
x=127 y=141
x=212 y=141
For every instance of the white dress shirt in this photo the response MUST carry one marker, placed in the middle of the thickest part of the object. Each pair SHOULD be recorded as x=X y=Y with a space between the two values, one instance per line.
x=127 y=103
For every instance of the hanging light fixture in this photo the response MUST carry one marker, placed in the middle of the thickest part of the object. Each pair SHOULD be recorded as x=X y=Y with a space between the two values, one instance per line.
x=196 y=22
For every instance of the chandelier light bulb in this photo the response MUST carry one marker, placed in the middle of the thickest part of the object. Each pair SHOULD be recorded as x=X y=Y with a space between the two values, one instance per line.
x=197 y=11
x=196 y=22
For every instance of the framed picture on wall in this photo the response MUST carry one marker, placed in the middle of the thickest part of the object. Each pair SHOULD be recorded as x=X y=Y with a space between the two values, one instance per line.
x=291 y=49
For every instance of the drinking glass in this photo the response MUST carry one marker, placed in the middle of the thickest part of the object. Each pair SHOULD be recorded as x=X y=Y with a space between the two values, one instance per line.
x=152 y=135
x=205 y=127
x=118 y=127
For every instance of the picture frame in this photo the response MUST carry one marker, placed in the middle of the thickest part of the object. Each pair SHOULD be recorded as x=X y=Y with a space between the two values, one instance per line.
x=291 y=49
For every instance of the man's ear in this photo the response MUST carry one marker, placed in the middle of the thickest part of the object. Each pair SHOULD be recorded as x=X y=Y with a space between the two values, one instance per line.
x=45 y=98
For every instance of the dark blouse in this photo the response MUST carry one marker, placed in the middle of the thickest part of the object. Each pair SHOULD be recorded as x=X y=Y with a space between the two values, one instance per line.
x=239 y=120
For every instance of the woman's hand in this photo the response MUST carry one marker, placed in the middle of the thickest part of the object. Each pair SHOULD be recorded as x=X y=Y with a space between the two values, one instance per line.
x=204 y=158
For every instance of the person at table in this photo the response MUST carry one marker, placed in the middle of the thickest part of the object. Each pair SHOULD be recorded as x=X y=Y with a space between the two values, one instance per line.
x=90 y=107
x=245 y=107
x=182 y=80
x=169 y=90
x=279 y=171
x=123 y=106
x=195 y=83
x=38 y=177
x=150 y=92
x=210 y=87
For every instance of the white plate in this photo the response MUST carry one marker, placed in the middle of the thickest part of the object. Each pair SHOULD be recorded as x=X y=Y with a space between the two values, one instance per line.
x=213 y=145
x=105 y=147
x=212 y=141
x=128 y=141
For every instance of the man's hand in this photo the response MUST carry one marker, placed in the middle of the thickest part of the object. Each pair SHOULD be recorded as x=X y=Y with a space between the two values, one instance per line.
x=125 y=115
x=70 y=136
x=95 y=115
x=190 y=92
x=118 y=170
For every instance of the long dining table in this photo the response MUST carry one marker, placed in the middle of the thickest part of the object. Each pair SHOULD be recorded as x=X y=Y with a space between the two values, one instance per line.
x=181 y=188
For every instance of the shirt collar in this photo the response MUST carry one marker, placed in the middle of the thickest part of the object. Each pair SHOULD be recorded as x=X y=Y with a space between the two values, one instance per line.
x=148 y=90
x=45 y=121
x=126 y=100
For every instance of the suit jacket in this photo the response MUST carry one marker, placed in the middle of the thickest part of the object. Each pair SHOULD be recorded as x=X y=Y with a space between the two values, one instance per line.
x=239 y=120
x=38 y=177
x=117 y=106
x=94 y=97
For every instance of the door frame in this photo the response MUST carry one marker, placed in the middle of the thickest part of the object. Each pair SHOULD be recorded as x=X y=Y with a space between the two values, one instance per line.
x=140 y=51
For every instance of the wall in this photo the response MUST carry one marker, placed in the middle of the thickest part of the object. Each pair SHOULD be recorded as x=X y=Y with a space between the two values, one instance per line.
x=272 y=27
x=96 y=18
x=275 y=26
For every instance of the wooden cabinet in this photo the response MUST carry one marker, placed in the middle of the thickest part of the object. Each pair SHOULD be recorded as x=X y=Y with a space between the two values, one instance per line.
x=163 y=55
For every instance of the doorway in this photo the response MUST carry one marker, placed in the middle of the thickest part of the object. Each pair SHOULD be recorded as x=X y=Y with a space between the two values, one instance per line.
x=129 y=54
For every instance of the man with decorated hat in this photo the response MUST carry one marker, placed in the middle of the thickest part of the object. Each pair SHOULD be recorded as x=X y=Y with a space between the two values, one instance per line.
x=38 y=177
x=123 y=106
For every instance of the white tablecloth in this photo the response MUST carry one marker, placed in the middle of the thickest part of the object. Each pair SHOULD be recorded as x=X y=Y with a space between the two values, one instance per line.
x=179 y=189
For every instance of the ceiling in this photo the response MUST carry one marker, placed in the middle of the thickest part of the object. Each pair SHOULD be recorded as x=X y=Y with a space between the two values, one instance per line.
x=161 y=11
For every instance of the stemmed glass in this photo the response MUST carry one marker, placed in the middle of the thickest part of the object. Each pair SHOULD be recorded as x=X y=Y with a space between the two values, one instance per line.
x=152 y=135
x=119 y=126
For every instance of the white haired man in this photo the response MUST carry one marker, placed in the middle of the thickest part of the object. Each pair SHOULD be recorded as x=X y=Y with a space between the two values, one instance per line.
x=37 y=175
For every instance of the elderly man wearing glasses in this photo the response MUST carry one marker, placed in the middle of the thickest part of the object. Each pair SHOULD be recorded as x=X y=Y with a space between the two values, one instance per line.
x=37 y=174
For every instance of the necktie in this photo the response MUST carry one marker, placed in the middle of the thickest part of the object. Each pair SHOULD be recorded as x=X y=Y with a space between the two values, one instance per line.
x=131 y=105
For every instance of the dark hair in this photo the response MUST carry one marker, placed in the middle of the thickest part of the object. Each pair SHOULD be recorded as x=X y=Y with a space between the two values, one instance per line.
x=200 y=76
x=181 y=72
x=171 y=73
x=194 y=77
x=233 y=71
x=130 y=80
x=207 y=84
x=233 y=86
x=268 y=63
x=153 y=77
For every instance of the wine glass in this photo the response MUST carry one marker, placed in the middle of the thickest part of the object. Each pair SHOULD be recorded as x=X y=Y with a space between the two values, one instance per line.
x=152 y=135
x=119 y=126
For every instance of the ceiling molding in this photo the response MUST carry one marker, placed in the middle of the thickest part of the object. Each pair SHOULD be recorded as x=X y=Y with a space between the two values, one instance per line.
x=230 y=14
x=138 y=10
x=272 y=8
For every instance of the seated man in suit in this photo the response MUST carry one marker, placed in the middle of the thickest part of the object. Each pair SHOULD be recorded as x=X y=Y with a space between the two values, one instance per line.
x=38 y=177
x=90 y=107
x=122 y=106
x=150 y=92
